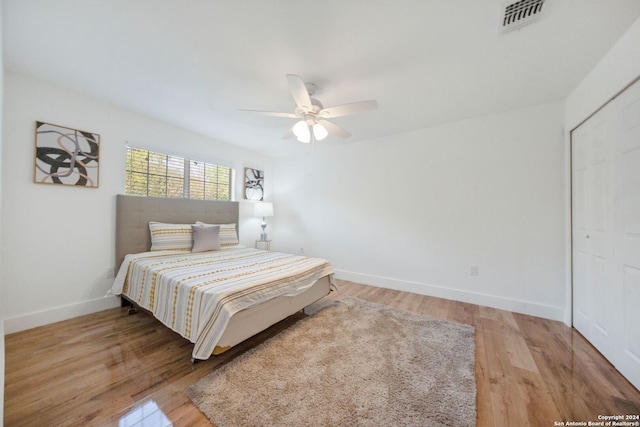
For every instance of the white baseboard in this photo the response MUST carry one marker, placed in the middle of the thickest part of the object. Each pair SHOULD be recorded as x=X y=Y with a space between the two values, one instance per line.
x=33 y=320
x=516 y=306
x=57 y=314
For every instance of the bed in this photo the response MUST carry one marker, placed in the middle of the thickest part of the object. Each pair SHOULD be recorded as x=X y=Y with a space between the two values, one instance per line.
x=216 y=299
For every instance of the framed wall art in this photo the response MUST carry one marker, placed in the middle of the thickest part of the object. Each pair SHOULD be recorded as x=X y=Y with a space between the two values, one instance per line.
x=253 y=184
x=66 y=156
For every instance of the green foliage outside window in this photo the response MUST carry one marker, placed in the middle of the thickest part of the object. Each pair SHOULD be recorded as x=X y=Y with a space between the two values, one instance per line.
x=161 y=175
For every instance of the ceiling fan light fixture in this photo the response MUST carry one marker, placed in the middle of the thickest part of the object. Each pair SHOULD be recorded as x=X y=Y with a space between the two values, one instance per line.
x=313 y=119
x=301 y=131
x=305 y=140
x=319 y=132
x=300 y=128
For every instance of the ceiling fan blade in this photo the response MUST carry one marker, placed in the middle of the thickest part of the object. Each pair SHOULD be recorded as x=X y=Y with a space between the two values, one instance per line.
x=299 y=92
x=348 y=109
x=289 y=134
x=334 y=129
x=271 y=113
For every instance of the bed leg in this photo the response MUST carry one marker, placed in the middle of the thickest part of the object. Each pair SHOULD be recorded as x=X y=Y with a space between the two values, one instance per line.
x=193 y=360
x=124 y=302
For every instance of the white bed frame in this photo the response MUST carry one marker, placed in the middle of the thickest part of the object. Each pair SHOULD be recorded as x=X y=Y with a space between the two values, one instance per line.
x=132 y=236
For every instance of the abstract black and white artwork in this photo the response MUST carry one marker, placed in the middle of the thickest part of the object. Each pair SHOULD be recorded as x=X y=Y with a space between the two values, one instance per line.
x=66 y=156
x=253 y=184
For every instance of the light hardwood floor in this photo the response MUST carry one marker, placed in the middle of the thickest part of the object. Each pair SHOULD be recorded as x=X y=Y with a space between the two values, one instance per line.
x=95 y=369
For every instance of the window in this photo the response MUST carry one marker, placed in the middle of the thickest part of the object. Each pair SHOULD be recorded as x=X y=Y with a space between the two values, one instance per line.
x=150 y=173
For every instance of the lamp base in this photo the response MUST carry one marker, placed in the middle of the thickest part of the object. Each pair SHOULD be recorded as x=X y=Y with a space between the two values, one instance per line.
x=263 y=237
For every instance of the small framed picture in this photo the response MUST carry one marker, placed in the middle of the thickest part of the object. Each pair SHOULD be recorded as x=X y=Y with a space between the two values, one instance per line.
x=253 y=184
x=66 y=156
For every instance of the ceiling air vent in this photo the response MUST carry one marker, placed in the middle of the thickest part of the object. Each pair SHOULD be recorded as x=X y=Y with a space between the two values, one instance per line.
x=515 y=15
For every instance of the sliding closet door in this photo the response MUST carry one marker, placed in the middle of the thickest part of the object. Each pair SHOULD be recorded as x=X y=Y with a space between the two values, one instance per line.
x=627 y=238
x=606 y=231
x=593 y=229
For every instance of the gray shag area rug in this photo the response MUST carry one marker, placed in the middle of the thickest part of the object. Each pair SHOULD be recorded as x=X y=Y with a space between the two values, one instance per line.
x=353 y=363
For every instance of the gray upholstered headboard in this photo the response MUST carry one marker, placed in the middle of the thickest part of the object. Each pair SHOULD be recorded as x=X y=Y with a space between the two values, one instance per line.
x=134 y=213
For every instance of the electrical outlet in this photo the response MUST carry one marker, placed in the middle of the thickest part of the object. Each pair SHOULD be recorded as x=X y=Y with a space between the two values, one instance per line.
x=110 y=273
x=301 y=251
x=473 y=270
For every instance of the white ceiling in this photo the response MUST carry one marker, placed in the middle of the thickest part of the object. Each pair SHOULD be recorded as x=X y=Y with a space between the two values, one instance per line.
x=194 y=63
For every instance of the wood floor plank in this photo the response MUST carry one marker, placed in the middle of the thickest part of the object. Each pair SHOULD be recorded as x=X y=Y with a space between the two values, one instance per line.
x=95 y=369
x=517 y=348
x=483 y=391
x=537 y=399
x=507 y=403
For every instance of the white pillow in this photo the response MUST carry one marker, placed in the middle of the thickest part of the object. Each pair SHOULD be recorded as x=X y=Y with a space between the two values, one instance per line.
x=228 y=233
x=170 y=236
x=205 y=238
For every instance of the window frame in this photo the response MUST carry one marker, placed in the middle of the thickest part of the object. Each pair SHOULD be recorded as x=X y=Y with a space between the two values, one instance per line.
x=222 y=188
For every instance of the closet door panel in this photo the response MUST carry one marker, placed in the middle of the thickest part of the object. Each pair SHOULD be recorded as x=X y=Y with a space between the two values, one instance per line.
x=631 y=195
x=581 y=310
x=580 y=231
x=600 y=281
x=627 y=224
x=600 y=198
x=601 y=318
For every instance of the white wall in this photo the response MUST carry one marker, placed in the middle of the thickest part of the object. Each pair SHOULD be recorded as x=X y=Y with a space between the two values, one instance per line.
x=58 y=241
x=416 y=210
x=617 y=69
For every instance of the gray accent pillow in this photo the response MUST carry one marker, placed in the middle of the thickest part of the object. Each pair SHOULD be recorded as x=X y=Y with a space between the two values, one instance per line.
x=205 y=238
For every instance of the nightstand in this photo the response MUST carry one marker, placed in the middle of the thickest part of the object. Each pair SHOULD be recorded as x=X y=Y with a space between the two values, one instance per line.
x=263 y=244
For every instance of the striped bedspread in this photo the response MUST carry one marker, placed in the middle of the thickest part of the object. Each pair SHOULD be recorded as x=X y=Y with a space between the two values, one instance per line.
x=195 y=294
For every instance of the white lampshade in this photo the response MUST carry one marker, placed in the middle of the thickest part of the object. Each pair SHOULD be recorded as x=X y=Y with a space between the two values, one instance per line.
x=263 y=209
x=319 y=132
x=301 y=131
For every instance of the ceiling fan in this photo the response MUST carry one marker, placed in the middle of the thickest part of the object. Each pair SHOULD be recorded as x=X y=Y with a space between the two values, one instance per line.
x=312 y=124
